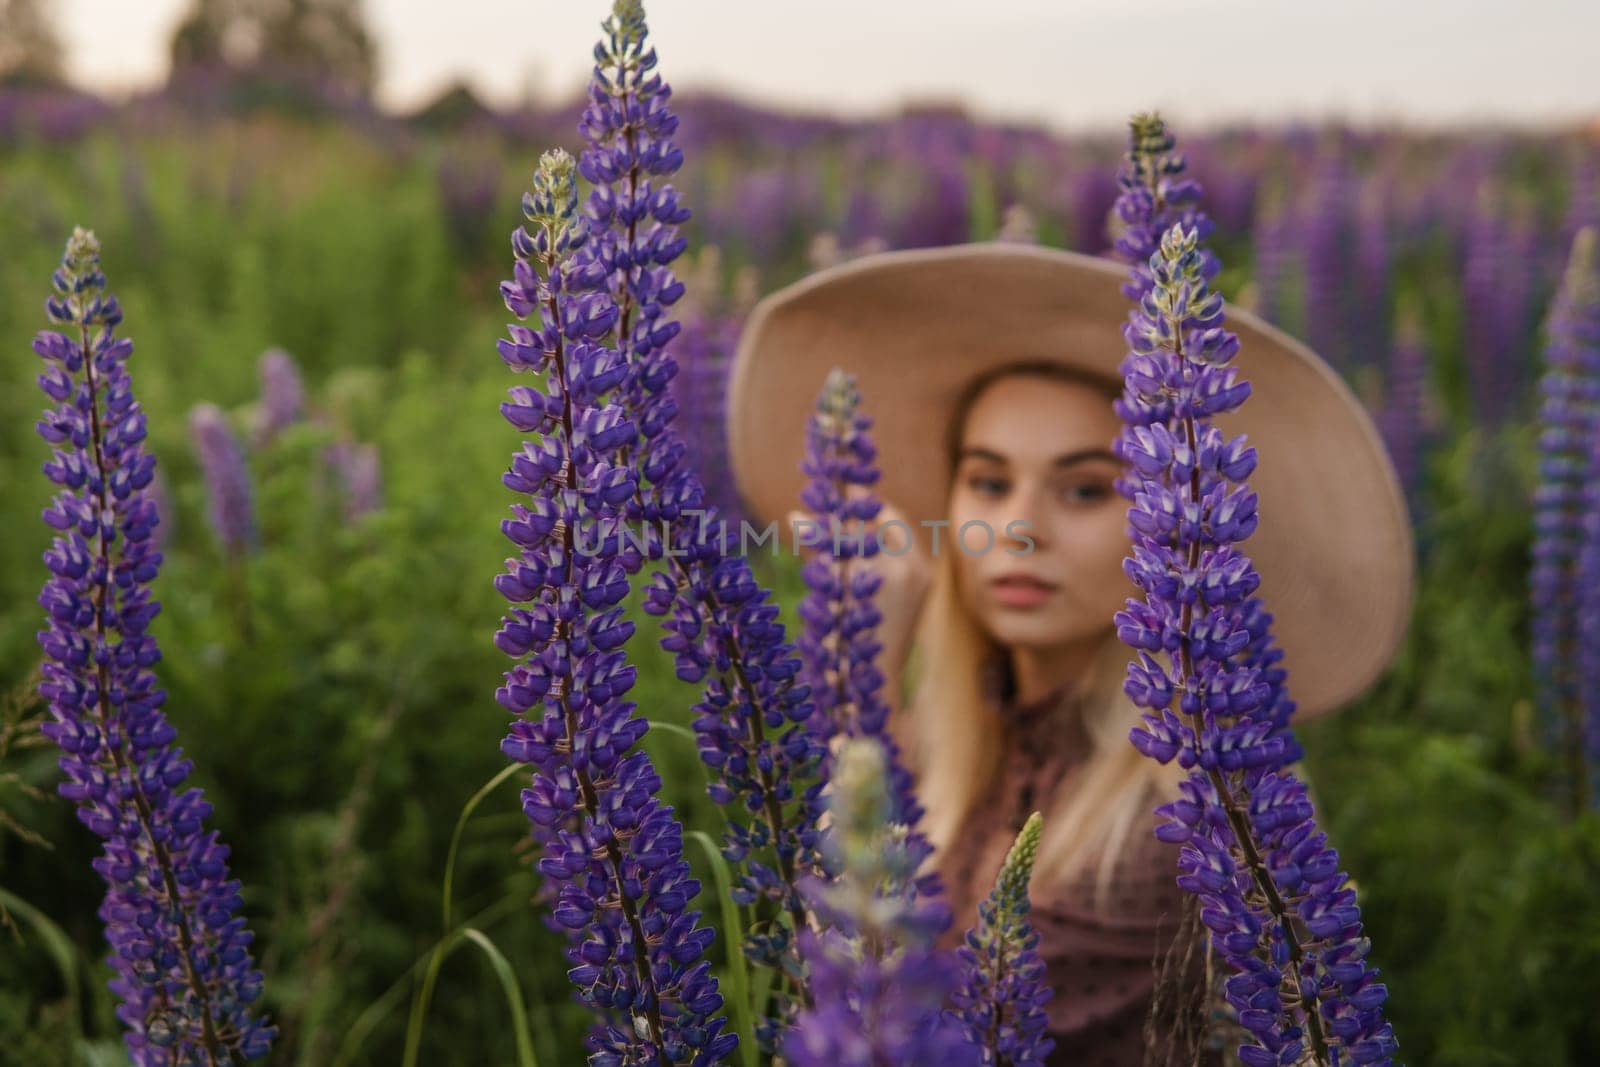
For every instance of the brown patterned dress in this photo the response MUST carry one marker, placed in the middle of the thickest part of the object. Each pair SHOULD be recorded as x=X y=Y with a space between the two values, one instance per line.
x=1102 y=965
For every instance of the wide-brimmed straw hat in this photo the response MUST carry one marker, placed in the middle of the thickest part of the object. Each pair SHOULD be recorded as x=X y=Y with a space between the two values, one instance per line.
x=1334 y=544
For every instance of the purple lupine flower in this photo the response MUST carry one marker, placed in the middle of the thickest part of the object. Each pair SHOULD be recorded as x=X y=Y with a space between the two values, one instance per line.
x=283 y=395
x=1003 y=988
x=1571 y=424
x=1372 y=286
x=1498 y=270
x=1273 y=256
x=1091 y=196
x=704 y=352
x=1155 y=196
x=611 y=849
x=231 y=509
x=839 y=645
x=1270 y=888
x=180 y=952
x=469 y=189
x=719 y=623
x=359 y=471
x=1401 y=420
x=1326 y=257
x=878 y=989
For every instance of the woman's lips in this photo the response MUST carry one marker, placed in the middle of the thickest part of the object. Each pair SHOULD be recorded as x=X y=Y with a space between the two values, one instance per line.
x=1020 y=590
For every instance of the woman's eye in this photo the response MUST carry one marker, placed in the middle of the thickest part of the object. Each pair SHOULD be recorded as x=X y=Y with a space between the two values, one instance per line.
x=986 y=484
x=1085 y=493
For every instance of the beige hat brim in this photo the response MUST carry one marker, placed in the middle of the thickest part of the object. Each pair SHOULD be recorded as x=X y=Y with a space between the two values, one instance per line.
x=1334 y=544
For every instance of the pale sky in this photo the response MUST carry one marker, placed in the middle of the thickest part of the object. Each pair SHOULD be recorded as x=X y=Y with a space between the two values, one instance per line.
x=1065 y=63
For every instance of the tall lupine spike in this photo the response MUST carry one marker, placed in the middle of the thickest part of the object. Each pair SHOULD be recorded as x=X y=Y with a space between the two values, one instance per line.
x=1143 y=210
x=878 y=988
x=231 y=506
x=839 y=645
x=1571 y=423
x=181 y=954
x=611 y=850
x=1003 y=989
x=719 y=623
x=1155 y=195
x=1270 y=888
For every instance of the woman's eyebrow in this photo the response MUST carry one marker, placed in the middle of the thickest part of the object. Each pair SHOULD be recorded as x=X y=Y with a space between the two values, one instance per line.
x=1067 y=459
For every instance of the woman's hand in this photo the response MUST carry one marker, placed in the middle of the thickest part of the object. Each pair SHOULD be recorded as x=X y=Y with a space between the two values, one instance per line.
x=906 y=576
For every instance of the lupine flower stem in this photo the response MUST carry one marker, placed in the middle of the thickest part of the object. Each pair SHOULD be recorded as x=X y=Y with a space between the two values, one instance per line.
x=184 y=969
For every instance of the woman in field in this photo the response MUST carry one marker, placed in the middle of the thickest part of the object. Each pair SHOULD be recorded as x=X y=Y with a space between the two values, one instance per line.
x=990 y=371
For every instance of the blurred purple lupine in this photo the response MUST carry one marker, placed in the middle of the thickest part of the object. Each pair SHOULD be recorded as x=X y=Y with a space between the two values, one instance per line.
x=1278 y=907
x=839 y=645
x=358 y=468
x=180 y=952
x=1570 y=418
x=704 y=351
x=719 y=623
x=1272 y=255
x=1499 y=271
x=1091 y=196
x=283 y=395
x=878 y=988
x=611 y=849
x=1401 y=419
x=1368 y=314
x=1326 y=258
x=231 y=508
x=1003 y=990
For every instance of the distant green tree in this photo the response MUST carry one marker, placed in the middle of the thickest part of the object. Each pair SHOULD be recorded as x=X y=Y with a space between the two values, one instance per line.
x=321 y=38
x=30 y=47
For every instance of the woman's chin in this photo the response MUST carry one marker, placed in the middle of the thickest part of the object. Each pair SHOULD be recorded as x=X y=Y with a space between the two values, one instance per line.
x=1018 y=628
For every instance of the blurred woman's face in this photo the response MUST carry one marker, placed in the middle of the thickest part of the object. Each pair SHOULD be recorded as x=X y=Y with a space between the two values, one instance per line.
x=1035 y=464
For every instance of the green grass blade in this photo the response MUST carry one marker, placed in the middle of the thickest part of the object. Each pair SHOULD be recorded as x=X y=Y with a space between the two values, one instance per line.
x=677 y=730
x=424 y=995
x=738 y=991
x=374 y=1013
x=513 y=991
x=455 y=837
x=56 y=943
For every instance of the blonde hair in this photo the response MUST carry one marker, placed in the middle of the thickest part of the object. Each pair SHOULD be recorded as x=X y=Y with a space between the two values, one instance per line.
x=953 y=733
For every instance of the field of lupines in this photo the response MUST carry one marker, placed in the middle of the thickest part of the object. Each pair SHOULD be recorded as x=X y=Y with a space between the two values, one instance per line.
x=313 y=297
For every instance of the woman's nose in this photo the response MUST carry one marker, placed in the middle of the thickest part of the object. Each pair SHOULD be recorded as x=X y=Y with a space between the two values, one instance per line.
x=1023 y=523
